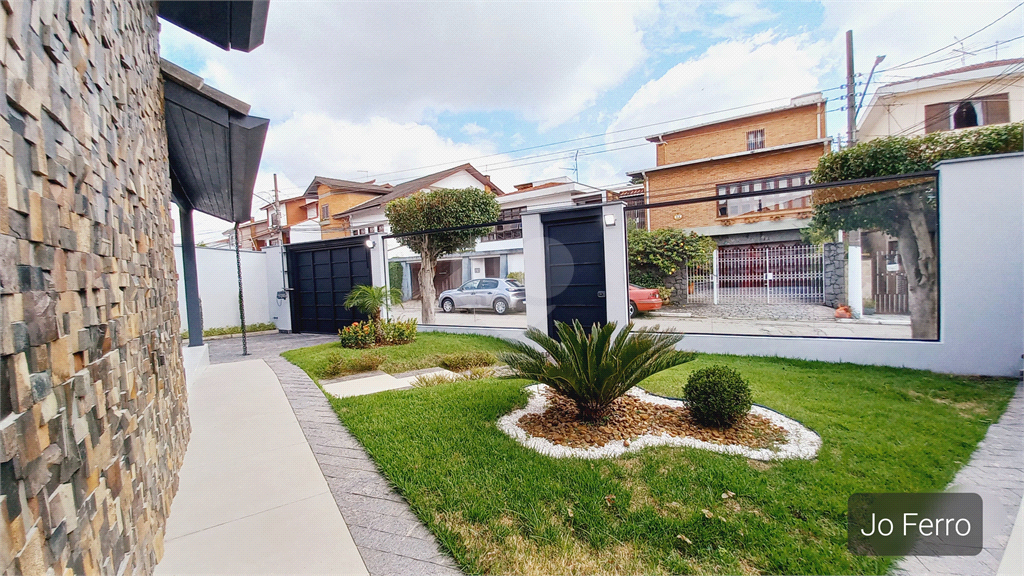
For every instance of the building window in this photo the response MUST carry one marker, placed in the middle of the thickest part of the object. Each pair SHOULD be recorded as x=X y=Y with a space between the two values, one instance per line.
x=380 y=228
x=755 y=139
x=325 y=212
x=981 y=111
x=731 y=208
x=635 y=218
x=507 y=231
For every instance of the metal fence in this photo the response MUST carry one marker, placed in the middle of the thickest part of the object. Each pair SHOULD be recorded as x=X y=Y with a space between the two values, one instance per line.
x=759 y=275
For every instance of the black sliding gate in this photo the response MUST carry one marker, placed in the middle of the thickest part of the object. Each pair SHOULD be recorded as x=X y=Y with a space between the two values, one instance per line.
x=321 y=275
x=574 y=247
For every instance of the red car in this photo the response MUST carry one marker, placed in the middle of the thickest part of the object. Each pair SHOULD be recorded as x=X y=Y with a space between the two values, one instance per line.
x=642 y=300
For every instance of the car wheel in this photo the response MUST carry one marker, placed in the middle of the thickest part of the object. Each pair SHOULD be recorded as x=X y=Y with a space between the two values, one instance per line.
x=500 y=306
x=632 y=309
x=447 y=305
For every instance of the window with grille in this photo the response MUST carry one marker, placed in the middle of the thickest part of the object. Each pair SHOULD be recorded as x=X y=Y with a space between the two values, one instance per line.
x=729 y=208
x=325 y=212
x=507 y=231
x=978 y=111
x=755 y=139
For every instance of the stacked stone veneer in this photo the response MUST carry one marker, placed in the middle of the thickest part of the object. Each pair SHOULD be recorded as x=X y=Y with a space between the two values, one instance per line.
x=94 y=417
x=834 y=254
x=679 y=282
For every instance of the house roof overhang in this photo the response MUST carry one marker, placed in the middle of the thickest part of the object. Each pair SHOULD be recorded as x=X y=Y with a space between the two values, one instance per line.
x=781 y=148
x=230 y=25
x=213 y=146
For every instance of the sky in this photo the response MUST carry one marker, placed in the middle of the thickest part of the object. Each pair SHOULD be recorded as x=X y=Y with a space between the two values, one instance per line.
x=526 y=91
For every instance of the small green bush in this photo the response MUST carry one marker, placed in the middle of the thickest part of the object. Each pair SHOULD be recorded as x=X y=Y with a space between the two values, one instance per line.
x=365 y=362
x=399 y=331
x=718 y=396
x=462 y=361
x=518 y=276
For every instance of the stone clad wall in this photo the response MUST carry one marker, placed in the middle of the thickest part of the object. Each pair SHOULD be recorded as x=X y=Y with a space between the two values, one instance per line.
x=94 y=419
x=835 y=274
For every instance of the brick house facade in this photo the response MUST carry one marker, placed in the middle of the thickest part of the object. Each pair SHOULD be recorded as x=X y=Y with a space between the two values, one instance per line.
x=766 y=150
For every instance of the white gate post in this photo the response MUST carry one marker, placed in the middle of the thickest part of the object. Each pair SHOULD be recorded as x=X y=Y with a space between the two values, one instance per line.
x=767 y=277
x=536 y=272
x=379 y=267
x=853 y=281
x=714 y=275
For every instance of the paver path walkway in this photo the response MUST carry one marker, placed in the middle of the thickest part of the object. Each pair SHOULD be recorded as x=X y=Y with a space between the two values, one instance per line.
x=251 y=497
x=996 y=471
x=380 y=530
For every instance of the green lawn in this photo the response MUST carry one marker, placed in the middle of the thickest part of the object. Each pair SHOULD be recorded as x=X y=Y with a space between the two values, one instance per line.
x=425 y=352
x=503 y=509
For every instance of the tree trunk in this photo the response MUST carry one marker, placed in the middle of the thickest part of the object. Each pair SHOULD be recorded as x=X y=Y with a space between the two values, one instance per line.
x=921 y=265
x=428 y=295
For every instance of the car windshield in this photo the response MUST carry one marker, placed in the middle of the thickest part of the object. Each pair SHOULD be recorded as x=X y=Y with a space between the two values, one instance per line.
x=513 y=283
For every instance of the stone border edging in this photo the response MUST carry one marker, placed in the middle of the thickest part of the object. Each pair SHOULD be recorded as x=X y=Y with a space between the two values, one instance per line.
x=803 y=442
x=389 y=537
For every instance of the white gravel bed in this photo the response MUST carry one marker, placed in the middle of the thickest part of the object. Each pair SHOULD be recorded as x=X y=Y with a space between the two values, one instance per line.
x=801 y=442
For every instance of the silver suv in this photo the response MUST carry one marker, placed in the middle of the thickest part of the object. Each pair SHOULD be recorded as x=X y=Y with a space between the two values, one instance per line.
x=498 y=294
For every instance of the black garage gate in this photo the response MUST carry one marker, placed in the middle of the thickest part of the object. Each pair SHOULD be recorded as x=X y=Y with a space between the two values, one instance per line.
x=321 y=275
x=574 y=246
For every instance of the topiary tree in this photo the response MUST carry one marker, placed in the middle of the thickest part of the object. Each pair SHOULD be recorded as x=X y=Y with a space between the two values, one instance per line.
x=717 y=396
x=437 y=209
x=910 y=212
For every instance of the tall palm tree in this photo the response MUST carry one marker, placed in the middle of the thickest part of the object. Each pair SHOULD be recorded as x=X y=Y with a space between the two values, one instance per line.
x=596 y=368
x=370 y=300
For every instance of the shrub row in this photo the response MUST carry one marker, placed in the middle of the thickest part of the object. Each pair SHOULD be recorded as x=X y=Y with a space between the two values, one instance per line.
x=365 y=334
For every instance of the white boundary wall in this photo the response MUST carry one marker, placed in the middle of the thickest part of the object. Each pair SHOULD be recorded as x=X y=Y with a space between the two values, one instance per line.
x=218 y=286
x=981 y=285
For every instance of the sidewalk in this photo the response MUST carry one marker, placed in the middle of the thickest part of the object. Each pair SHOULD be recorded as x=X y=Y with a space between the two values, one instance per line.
x=252 y=498
x=996 y=472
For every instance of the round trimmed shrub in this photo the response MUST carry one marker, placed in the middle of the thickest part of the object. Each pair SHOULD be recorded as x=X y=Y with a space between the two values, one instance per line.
x=718 y=396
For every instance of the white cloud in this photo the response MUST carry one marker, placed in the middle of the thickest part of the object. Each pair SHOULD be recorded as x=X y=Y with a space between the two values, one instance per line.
x=730 y=74
x=742 y=15
x=473 y=129
x=906 y=30
x=407 y=60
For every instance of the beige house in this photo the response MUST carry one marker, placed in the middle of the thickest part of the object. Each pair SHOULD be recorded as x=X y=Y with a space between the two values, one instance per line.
x=976 y=95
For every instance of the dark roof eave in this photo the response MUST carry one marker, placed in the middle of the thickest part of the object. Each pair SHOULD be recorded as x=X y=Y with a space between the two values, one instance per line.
x=231 y=25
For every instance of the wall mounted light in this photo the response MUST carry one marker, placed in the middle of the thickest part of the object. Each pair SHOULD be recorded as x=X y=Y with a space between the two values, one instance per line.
x=370 y=243
x=609 y=220
x=678 y=216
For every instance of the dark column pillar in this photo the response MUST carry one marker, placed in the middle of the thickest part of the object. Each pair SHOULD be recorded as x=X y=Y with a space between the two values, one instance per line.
x=188 y=263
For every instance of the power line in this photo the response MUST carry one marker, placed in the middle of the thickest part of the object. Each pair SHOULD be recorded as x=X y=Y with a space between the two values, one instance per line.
x=985 y=27
x=547 y=156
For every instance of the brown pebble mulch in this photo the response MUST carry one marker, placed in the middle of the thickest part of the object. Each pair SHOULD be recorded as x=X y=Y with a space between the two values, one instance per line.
x=630 y=417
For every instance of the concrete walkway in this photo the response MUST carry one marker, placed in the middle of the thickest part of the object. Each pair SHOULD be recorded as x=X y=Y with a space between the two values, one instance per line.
x=252 y=498
x=274 y=483
x=996 y=472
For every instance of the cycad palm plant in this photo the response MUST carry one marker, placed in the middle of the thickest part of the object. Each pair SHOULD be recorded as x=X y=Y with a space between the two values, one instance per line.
x=596 y=368
x=370 y=300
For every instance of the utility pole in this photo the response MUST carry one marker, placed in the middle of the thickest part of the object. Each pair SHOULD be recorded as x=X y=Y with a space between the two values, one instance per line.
x=277 y=210
x=851 y=93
